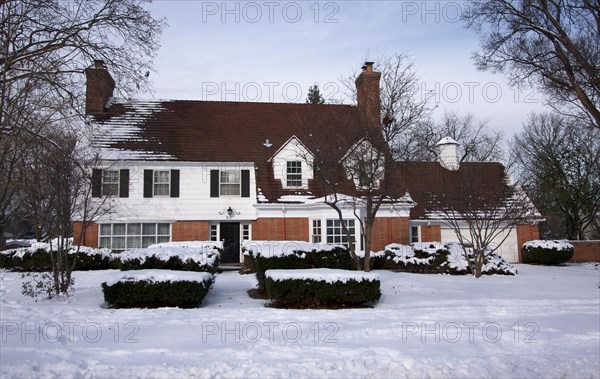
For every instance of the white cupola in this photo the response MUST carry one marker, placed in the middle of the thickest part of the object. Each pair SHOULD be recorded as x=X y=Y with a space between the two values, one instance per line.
x=447 y=154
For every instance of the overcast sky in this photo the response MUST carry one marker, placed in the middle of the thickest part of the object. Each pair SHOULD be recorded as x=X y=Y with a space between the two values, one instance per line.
x=274 y=51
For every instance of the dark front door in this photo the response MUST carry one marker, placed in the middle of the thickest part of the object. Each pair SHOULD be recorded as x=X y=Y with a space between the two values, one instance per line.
x=230 y=235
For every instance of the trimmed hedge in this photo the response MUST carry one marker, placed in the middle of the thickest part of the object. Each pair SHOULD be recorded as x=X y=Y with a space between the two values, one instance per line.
x=314 y=293
x=173 y=263
x=155 y=294
x=550 y=253
x=435 y=258
x=337 y=258
x=40 y=260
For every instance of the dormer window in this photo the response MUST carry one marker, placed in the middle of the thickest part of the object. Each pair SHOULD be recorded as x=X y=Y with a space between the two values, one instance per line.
x=292 y=165
x=294 y=174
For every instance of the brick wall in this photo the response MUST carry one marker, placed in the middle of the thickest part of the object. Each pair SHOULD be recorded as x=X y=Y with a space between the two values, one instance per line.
x=89 y=238
x=526 y=232
x=190 y=231
x=586 y=251
x=431 y=233
x=292 y=228
x=388 y=230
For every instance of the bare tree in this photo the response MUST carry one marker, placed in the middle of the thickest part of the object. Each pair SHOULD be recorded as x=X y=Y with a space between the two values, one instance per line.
x=55 y=188
x=558 y=163
x=482 y=208
x=45 y=46
x=476 y=142
x=553 y=45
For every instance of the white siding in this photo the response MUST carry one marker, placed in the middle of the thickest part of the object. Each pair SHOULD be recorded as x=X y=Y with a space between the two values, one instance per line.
x=194 y=201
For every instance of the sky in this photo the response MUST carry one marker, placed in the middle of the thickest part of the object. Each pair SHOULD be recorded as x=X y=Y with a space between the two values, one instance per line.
x=273 y=51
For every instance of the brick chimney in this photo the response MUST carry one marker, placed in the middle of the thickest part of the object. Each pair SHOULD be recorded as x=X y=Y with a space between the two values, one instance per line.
x=99 y=88
x=367 y=93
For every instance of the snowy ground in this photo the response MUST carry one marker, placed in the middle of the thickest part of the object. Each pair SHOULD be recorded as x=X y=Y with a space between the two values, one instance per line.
x=544 y=322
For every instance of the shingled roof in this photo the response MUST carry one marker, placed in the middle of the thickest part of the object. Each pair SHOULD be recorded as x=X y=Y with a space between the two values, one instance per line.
x=210 y=131
x=425 y=180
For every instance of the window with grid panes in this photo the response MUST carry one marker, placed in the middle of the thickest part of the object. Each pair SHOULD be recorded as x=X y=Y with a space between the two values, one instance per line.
x=162 y=182
x=119 y=237
x=230 y=183
x=294 y=174
x=336 y=233
x=110 y=182
x=316 y=231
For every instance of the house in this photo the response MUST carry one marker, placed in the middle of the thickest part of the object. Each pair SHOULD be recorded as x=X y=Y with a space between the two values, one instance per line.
x=233 y=171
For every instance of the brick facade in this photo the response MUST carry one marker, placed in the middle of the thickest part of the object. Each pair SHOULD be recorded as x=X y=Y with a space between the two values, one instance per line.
x=431 y=233
x=526 y=233
x=190 y=231
x=89 y=238
x=291 y=229
x=388 y=230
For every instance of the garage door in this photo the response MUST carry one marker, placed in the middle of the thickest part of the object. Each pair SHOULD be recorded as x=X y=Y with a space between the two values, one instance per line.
x=508 y=250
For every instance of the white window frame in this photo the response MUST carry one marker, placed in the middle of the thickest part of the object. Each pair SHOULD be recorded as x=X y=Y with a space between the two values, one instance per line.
x=214 y=232
x=237 y=175
x=413 y=234
x=108 y=239
x=167 y=183
x=111 y=183
x=246 y=232
x=316 y=231
x=341 y=234
x=294 y=170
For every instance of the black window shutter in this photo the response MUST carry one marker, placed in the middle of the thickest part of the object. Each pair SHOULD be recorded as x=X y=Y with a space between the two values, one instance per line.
x=96 y=182
x=148 y=183
x=245 y=183
x=123 y=183
x=214 y=183
x=174 y=183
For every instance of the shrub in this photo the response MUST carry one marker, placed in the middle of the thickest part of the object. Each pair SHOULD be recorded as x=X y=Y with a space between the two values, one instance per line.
x=39 y=259
x=171 y=258
x=435 y=258
x=322 y=288
x=549 y=253
x=154 y=289
x=294 y=255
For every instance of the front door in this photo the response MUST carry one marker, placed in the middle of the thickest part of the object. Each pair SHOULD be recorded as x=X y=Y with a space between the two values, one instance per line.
x=230 y=235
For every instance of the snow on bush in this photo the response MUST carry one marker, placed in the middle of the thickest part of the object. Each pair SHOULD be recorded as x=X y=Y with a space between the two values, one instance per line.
x=547 y=252
x=283 y=248
x=558 y=245
x=327 y=275
x=157 y=288
x=261 y=256
x=200 y=258
x=37 y=257
x=436 y=257
x=322 y=288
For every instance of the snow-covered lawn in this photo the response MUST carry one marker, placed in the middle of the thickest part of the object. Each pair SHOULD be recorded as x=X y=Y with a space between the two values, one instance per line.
x=544 y=322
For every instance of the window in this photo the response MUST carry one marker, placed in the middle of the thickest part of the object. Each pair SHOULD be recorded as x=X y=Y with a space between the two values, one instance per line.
x=230 y=183
x=213 y=232
x=110 y=182
x=316 y=231
x=245 y=232
x=119 y=237
x=336 y=233
x=162 y=182
x=294 y=174
x=414 y=234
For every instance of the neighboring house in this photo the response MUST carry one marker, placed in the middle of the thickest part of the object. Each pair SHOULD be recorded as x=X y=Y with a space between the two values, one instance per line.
x=232 y=171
